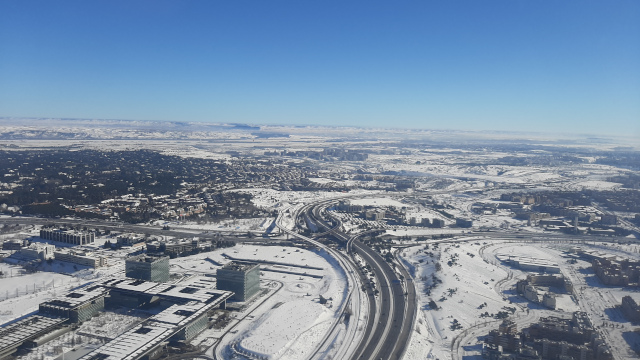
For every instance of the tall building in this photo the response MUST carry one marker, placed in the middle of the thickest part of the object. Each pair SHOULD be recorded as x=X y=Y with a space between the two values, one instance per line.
x=149 y=268
x=241 y=278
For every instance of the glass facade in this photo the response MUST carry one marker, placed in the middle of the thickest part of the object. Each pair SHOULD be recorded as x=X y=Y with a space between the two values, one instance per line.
x=148 y=268
x=242 y=279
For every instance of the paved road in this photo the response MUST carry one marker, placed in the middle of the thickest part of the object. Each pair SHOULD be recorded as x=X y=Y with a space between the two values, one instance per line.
x=393 y=313
x=353 y=285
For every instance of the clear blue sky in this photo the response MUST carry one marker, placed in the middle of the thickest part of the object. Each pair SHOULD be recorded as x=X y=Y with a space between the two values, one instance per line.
x=507 y=65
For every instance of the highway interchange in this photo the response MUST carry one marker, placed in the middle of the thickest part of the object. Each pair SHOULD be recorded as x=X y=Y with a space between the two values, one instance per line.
x=391 y=310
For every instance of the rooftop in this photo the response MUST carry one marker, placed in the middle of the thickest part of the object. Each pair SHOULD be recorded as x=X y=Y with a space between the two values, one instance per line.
x=146 y=258
x=172 y=292
x=143 y=338
x=238 y=266
x=134 y=343
x=77 y=297
x=15 y=334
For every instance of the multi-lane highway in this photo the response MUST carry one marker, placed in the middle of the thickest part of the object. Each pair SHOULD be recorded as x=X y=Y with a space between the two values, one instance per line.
x=392 y=309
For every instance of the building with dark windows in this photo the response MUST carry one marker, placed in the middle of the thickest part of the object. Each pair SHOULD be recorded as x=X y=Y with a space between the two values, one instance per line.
x=77 y=306
x=149 y=268
x=464 y=223
x=186 y=311
x=68 y=236
x=241 y=278
x=630 y=309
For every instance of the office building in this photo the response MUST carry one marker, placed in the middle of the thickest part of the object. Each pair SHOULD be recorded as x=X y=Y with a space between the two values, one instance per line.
x=68 y=236
x=149 y=268
x=241 y=278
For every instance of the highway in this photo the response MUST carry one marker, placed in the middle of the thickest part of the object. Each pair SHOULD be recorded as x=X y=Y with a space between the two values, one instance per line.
x=392 y=312
x=353 y=295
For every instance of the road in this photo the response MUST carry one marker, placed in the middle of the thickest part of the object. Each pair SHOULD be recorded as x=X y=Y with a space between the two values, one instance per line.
x=353 y=285
x=229 y=235
x=393 y=313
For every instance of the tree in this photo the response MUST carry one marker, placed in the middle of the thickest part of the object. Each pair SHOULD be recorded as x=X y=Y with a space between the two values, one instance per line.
x=455 y=325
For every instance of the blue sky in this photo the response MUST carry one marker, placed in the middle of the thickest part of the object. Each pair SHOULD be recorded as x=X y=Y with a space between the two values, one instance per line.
x=542 y=65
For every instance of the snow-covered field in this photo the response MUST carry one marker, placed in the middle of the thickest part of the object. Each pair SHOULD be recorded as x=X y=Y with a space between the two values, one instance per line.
x=477 y=282
x=288 y=321
x=21 y=294
x=291 y=321
x=462 y=288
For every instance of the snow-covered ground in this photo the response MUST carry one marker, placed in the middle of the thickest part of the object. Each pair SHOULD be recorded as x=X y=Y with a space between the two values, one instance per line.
x=477 y=282
x=378 y=201
x=251 y=224
x=20 y=294
x=462 y=288
x=275 y=199
x=291 y=321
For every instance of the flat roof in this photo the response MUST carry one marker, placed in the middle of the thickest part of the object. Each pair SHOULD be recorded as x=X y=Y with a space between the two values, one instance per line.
x=15 y=334
x=239 y=266
x=145 y=337
x=526 y=260
x=181 y=315
x=193 y=303
x=130 y=284
x=173 y=292
x=145 y=258
x=134 y=343
x=77 y=297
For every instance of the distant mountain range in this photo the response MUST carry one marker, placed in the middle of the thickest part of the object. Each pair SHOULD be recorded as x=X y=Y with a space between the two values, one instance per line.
x=13 y=128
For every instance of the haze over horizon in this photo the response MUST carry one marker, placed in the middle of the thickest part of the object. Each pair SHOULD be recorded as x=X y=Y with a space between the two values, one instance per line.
x=514 y=65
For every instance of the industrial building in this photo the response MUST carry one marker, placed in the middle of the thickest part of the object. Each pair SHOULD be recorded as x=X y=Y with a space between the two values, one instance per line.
x=68 y=236
x=348 y=207
x=531 y=264
x=149 y=268
x=241 y=278
x=129 y=239
x=14 y=244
